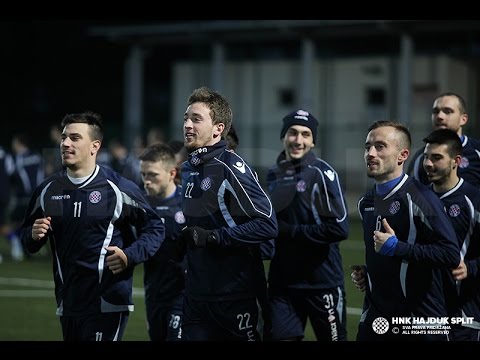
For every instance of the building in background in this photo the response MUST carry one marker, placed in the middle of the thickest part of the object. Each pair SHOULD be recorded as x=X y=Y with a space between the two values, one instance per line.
x=349 y=72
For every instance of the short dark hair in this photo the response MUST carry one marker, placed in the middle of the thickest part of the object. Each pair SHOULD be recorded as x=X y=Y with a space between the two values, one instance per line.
x=447 y=137
x=461 y=101
x=94 y=121
x=406 y=139
x=220 y=110
x=232 y=139
x=159 y=152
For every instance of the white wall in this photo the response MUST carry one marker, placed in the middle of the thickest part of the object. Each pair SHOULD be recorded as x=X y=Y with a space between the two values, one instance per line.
x=339 y=91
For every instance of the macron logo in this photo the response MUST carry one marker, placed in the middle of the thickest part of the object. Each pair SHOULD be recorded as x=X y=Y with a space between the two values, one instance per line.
x=60 y=197
x=330 y=174
x=239 y=166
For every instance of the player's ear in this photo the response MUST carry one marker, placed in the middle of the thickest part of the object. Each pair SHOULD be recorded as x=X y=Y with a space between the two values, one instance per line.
x=463 y=119
x=173 y=173
x=218 y=129
x=458 y=160
x=403 y=156
x=95 y=147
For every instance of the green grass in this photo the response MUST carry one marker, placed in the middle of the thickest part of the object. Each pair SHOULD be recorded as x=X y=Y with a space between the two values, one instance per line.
x=26 y=316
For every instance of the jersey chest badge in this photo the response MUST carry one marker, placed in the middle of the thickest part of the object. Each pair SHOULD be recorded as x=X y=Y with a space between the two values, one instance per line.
x=206 y=184
x=394 y=207
x=454 y=210
x=179 y=217
x=301 y=186
x=95 y=197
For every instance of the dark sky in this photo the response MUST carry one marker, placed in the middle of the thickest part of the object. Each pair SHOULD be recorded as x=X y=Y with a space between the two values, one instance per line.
x=51 y=68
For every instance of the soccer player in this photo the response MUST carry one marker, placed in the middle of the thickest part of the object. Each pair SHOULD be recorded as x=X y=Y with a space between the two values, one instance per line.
x=28 y=174
x=450 y=112
x=100 y=226
x=306 y=274
x=404 y=267
x=164 y=278
x=442 y=157
x=228 y=215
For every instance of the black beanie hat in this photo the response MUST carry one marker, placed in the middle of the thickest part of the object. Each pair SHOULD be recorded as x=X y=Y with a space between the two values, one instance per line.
x=300 y=117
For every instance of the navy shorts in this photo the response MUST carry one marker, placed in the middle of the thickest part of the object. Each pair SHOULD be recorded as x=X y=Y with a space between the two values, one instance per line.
x=235 y=320
x=325 y=309
x=165 y=320
x=95 y=327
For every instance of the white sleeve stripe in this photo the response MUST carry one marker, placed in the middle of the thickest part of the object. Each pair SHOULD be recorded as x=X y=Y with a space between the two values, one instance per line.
x=223 y=207
x=109 y=233
x=339 y=191
x=246 y=194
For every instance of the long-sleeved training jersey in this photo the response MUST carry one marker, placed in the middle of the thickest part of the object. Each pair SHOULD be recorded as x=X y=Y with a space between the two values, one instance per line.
x=105 y=210
x=222 y=193
x=409 y=283
x=462 y=204
x=164 y=277
x=307 y=194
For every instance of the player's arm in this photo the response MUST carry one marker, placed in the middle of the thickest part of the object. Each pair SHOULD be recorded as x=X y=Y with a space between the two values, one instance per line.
x=256 y=208
x=436 y=242
x=150 y=231
x=329 y=211
x=249 y=211
x=35 y=226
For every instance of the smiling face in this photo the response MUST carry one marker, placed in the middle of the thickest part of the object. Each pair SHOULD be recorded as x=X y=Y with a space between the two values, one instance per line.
x=384 y=156
x=438 y=163
x=78 y=150
x=198 y=127
x=298 y=141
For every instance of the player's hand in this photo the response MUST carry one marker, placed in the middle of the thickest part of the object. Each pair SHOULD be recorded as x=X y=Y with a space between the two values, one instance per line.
x=200 y=236
x=40 y=228
x=379 y=237
x=461 y=272
x=359 y=277
x=116 y=260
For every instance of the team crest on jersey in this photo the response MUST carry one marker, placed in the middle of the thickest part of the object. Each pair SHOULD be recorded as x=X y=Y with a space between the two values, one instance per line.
x=301 y=186
x=206 y=184
x=179 y=217
x=195 y=160
x=464 y=163
x=95 y=197
x=394 y=207
x=454 y=210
